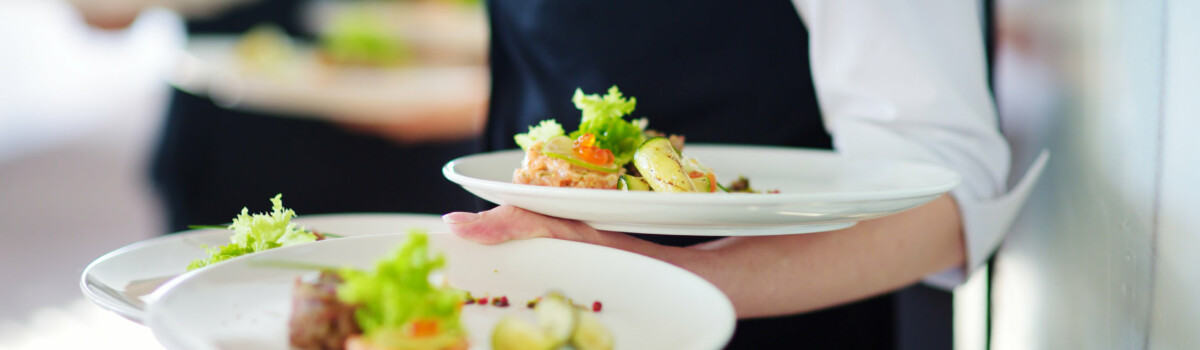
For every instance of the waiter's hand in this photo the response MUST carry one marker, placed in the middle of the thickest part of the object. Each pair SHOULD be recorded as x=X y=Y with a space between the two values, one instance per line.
x=506 y=223
x=109 y=14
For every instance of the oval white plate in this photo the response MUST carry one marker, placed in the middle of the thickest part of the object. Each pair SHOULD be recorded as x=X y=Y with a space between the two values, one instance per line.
x=648 y=304
x=122 y=280
x=819 y=191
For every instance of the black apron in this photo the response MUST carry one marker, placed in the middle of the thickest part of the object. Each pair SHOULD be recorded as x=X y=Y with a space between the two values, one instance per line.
x=715 y=71
x=211 y=161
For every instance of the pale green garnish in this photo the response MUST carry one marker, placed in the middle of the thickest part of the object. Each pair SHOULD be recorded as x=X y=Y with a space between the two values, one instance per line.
x=258 y=232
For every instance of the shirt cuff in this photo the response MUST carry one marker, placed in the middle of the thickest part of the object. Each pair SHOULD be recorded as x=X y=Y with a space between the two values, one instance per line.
x=985 y=223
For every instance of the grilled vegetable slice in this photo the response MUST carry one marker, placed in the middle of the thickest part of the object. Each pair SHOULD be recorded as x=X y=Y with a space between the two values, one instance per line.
x=702 y=184
x=632 y=183
x=661 y=167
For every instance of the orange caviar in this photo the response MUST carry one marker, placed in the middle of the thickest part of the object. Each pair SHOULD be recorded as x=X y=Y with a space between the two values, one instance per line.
x=585 y=148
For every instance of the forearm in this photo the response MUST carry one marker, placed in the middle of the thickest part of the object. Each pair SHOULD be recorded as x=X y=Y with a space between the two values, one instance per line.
x=776 y=275
x=772 y=275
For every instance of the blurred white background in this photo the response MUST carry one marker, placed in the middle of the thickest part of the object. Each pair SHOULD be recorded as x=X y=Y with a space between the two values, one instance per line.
x=79 y=109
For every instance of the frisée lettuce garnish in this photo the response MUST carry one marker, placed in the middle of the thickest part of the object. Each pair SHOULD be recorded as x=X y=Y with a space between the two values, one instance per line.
x=397 y=306
x=603 y=118
x=256 y=233
x=542 y=132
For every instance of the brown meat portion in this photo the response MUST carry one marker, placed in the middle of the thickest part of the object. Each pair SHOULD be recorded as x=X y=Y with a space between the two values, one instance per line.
x=319 y=320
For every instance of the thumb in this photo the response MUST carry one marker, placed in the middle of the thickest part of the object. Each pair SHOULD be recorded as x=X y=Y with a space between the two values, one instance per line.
x=506 y=222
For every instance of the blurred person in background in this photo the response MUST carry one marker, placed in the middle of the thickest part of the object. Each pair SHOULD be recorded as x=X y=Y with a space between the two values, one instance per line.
x=212 y=161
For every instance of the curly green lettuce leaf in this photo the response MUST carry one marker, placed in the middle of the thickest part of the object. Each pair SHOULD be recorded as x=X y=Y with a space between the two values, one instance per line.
x=258 y=232
x=398 y=292
x=603 y=118
x=543 y=131
x=610 y=106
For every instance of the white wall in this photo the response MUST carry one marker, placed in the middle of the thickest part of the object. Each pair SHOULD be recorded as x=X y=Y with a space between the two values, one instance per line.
x=1105 y=255
x=1175 y=318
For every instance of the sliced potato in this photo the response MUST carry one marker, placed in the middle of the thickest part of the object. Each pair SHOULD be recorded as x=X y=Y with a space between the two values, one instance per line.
x=513 y=333
x=591 y=334
x=661 y=166
x=702 y=184
x=556 y=317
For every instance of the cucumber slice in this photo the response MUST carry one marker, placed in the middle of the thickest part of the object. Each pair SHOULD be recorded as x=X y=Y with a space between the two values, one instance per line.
x=556 y=317
x=561 y=147
x=632 y=183
x=591 y=334
x=661 y=166
x=513 y=333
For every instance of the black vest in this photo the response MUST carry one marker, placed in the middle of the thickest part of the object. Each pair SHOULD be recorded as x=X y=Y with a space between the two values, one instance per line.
x=715 y=71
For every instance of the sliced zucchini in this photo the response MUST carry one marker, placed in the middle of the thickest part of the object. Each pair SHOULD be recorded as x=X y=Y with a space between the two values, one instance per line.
x=591 y=334
x=513 y=333
x=661 y=167
x=632 y=183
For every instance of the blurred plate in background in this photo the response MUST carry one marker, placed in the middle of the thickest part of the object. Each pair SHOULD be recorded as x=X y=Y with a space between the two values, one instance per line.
x=300 y=85
x=372 y=62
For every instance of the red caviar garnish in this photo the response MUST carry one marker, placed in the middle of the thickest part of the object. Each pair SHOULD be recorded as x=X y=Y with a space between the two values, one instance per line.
x=585 y=148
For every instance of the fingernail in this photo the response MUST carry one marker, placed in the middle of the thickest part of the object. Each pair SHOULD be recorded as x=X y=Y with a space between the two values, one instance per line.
x=459 y=217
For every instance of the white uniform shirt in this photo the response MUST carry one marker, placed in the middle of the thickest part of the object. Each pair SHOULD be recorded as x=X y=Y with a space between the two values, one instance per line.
x=908 y=80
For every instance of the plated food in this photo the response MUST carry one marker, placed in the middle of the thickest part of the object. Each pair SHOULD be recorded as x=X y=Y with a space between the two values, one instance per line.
x=609 y=152
x=245 y=303
x=393 y=306
x=371 y=62
x=355 y=37
x=397 y=306
x=559 y=325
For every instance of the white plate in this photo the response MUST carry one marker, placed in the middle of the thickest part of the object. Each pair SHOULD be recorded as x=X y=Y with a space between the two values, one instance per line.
x=819 y=191
x=302 y=87
x=647 y=304
x=122 y=280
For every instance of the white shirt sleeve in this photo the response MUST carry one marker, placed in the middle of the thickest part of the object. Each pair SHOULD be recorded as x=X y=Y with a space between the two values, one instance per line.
x=908 y=80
